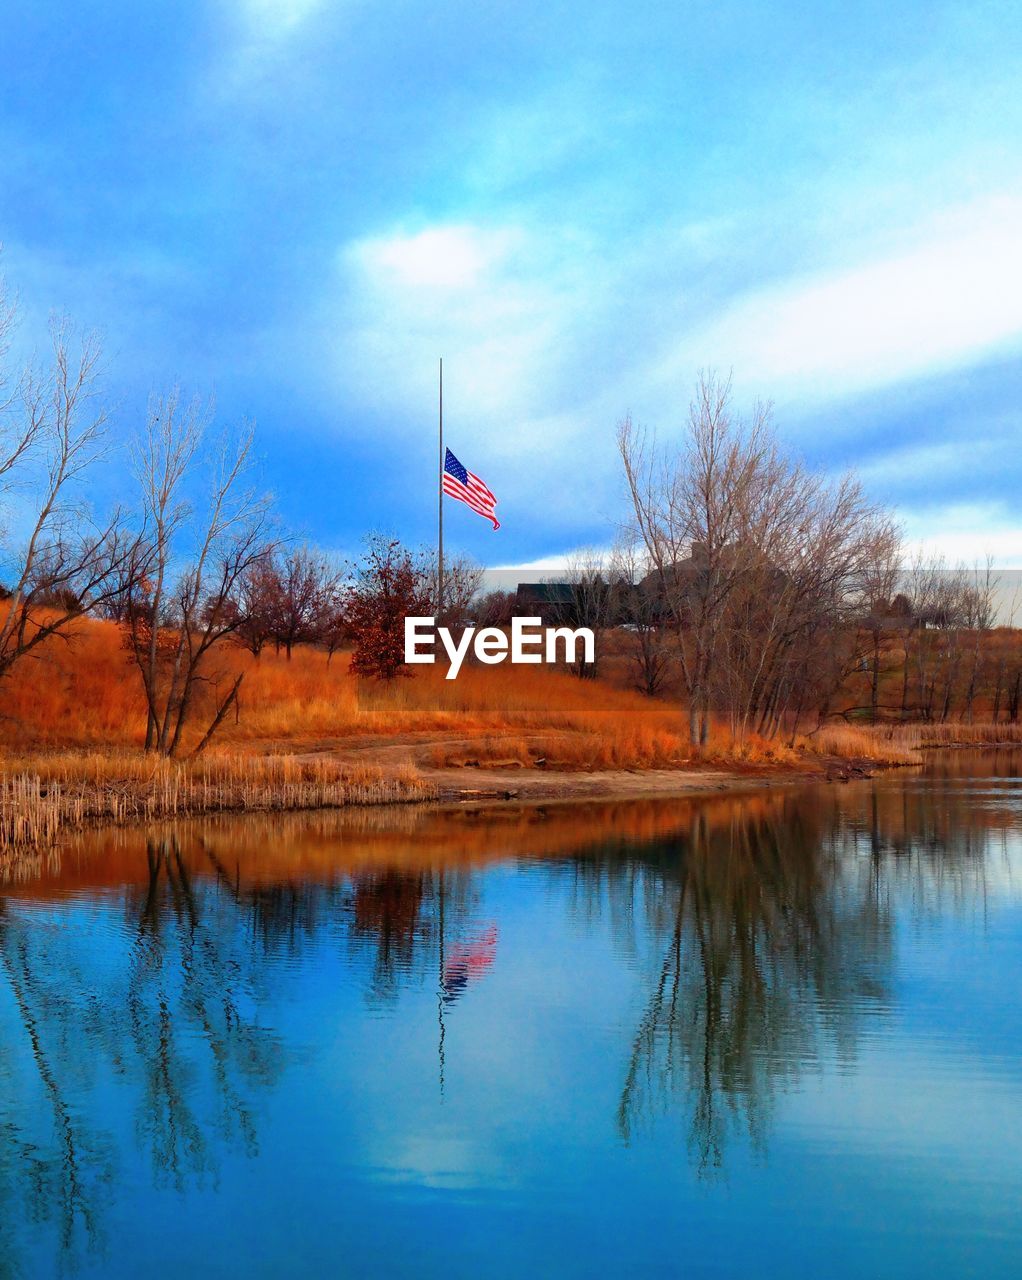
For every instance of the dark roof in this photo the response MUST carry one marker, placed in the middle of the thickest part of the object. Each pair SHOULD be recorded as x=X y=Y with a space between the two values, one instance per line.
x=545 y=593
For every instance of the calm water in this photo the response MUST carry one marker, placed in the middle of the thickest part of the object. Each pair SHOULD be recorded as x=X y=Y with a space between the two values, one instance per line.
x=776 y=1035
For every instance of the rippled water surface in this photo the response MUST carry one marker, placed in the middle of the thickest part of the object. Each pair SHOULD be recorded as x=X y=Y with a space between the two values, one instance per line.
x=772 y=1035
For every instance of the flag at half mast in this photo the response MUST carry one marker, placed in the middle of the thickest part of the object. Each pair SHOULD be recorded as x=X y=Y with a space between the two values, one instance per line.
x=460 y=483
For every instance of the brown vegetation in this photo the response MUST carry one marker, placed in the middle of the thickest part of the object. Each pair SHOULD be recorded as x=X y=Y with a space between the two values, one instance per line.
x=42 y=796
x=753 y=606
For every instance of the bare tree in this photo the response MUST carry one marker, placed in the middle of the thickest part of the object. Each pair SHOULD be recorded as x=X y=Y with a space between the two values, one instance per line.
x=52 y=431
x=256 y=603
x=188 y=564
x=687 y=507
x=640 y=613
x=930 y=597
x=462 y=580
x=494 y=609
x=308 y=587
x=1002 y=664
x=978 y=615
x=593 y=605
x=879 y=580
x=759 y=563
x=334 y=624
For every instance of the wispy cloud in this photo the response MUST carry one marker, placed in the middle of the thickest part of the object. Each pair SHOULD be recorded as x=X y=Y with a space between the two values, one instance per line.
x=484 y=296
x=576 y=215
x=269 y=18
x=939 y=304
x=268 y=36
x=966 y=532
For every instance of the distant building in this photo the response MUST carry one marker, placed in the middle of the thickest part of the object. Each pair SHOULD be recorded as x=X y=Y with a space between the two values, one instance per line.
x=554 y=602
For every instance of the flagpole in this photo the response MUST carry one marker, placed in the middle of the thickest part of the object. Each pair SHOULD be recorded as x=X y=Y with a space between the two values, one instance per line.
x=440 y=508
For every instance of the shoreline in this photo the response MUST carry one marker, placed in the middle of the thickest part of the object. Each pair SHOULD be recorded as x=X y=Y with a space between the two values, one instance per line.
x=41 y=807
x=39 y=812
x=501 y=785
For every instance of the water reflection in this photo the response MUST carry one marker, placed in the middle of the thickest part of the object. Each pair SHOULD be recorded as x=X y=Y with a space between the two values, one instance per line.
x=159 y=992
x=767 y=949
x=164 y=1013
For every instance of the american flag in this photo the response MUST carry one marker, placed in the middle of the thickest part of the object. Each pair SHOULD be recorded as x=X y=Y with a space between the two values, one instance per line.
x=462 y=484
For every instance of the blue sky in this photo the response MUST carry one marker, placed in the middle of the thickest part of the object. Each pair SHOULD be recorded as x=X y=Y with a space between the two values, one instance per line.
x=302 y=204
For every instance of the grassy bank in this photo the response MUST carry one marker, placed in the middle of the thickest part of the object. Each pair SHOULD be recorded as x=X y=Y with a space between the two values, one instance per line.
x=307 y=735
x=623 y=747
x=922 y=736
x=43 y=796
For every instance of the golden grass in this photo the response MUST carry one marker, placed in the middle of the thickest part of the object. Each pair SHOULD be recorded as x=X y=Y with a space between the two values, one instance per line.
x=615 y=745
x=42 y=797
x=895 y=744
x=953 y=735
x=83 y=694
x=861 y=742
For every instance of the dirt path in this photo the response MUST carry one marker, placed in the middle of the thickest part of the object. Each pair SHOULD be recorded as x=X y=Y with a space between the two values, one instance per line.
x=508 y=781
x=539 y=784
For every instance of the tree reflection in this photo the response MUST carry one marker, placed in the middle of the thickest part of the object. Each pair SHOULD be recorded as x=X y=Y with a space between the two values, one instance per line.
x=166 y=1007
x=767 y=954
x=387 y=909
x=59 y=1180
x=187 y=986
x=774 y=938
x=763 y=928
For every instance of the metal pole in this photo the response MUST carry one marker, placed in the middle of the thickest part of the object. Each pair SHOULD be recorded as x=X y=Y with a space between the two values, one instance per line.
x=440 y=509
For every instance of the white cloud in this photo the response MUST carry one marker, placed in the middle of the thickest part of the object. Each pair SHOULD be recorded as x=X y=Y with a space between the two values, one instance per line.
x=484 y=298
x=270 y=36
x=927 y=463
x=449 y=258
x=548 y=337
x=512 y=314
x=952 y=298
x=966 y=532
x=277 y=17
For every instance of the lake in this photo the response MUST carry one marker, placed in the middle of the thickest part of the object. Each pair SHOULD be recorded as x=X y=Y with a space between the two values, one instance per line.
x=776 y=1034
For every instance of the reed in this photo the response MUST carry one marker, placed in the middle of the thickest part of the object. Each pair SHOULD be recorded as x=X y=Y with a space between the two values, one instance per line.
x=43 y=798
x=862 y=742
x=896 y=744
x=953 y=735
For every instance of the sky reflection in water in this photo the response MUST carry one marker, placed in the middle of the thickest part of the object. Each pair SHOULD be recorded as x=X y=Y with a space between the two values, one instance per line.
x=773 y=1034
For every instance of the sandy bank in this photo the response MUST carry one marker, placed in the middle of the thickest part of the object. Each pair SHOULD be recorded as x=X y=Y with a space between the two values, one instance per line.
x=488 y=784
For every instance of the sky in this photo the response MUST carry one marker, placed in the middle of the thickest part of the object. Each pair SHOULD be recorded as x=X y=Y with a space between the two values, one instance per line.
x=300 y=205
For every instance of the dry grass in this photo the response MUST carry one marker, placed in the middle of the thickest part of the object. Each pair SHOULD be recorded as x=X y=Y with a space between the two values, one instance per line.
x=950 y=735
x=616 y=743
x=41 y=797
x=84 y=694
x=81 y=702
x=861 y=742
x=895 y=744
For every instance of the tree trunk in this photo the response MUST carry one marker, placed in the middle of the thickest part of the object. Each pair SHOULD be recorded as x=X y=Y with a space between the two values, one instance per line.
x=231 y=698
x=998 y=689
x=874 y=702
